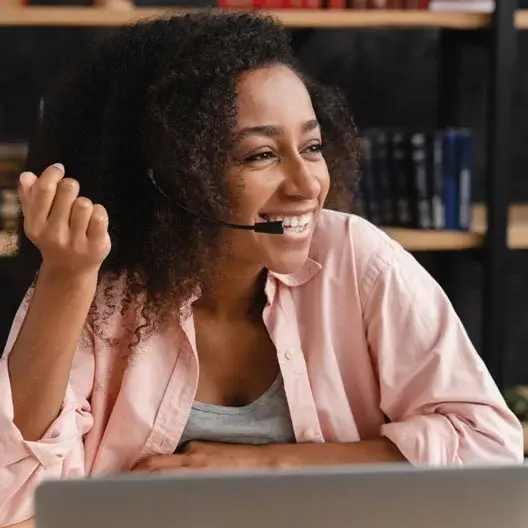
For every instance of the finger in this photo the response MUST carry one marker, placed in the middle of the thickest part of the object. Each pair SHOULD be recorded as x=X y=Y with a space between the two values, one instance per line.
x=65 y=196
x=159 y=463
x=81 y=212
x=25 y=183
x=98 y=225
x=43 y=193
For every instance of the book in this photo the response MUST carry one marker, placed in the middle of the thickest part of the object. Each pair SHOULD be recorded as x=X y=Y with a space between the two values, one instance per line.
x=479 y=6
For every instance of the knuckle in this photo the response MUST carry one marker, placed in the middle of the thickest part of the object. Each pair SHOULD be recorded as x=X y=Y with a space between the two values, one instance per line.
x=79 y=247
x=45 y=187
x=99 y=210
x=98 y=217
x=68 y=185
x=83 y=203
x=52 y=238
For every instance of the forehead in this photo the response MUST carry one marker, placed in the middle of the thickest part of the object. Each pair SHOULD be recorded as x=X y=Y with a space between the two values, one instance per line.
x=272 y=95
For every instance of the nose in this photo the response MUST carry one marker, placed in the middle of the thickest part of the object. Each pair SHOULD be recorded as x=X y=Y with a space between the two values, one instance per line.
x=301 y=179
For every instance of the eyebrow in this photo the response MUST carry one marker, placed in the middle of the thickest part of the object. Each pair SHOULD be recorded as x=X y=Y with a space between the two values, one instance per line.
x=272 y=130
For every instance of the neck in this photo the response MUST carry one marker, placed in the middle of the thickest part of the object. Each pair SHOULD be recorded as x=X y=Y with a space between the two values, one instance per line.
x=234 y=295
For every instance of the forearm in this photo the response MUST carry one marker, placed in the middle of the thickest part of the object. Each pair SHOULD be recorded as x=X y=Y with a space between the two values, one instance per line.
x=378 y=451
x=30 y=523
x=40 y=360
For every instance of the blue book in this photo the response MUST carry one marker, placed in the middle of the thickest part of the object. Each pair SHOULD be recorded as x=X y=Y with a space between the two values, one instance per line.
x=466 y=162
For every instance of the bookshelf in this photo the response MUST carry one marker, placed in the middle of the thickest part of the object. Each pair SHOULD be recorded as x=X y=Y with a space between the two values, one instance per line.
x=295 y=18
x=497 y=227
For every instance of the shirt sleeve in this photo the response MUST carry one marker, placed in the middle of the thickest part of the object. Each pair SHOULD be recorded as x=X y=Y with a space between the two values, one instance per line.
x=60 y=452
x=442 y=404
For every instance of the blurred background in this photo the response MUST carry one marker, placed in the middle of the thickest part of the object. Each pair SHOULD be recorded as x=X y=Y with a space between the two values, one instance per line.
x=439 y=90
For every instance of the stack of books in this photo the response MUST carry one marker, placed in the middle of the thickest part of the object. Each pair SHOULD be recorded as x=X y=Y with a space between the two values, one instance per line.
x=417 y=179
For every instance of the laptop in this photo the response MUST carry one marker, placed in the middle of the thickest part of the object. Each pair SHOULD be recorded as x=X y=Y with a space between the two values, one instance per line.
x=338 y=497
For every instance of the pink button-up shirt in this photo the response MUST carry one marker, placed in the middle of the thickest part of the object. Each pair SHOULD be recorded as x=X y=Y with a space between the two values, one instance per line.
x=368 y=345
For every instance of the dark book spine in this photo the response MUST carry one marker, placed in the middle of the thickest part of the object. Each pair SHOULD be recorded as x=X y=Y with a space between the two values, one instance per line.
x=465 y=156
x=368 y=189
x=419 y=158
x=451 y=187
x=435 y=147
x=380 y=168
x=399 y=173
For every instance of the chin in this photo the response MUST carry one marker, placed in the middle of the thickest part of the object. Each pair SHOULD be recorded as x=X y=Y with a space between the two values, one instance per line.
x=286 y=258
x=286 y=266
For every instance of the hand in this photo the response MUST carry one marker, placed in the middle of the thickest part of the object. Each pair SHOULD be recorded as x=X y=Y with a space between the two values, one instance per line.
x=208 y=455
x=70 y=232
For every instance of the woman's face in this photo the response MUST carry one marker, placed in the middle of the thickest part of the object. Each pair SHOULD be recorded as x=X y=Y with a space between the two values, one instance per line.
x=276 y=170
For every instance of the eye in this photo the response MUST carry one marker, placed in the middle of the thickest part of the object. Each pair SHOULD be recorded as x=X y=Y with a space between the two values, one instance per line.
x=314 y=150
x=260 y=156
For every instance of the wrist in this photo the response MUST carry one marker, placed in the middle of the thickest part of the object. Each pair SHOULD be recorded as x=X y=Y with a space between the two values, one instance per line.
x=60 y=278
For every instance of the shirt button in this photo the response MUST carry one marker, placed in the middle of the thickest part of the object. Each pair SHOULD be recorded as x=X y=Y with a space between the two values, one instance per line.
x=310 y=435
x=290 y=352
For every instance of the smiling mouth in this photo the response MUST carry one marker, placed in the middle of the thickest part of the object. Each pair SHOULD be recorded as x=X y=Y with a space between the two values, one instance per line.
x=292 y=224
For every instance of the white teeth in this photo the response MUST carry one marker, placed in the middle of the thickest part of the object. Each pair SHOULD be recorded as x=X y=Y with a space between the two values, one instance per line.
x=293 y=223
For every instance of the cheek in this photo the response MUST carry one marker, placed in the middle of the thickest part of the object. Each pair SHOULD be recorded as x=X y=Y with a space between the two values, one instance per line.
x=251 y=193
x=324 y=182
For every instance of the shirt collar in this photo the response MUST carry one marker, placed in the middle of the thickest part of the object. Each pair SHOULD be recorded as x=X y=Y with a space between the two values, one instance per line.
x=306 y=273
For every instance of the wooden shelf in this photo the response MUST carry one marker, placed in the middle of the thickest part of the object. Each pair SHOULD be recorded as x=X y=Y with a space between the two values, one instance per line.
x=430 y=240
x=424 y=240
x=517 y=224
x=521 y=19
x=100 y=16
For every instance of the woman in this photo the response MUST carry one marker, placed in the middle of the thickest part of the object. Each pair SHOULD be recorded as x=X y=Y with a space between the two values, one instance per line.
x=155 y=337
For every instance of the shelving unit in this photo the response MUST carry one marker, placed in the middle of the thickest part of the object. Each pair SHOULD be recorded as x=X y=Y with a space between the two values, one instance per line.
x=99 y=16
x=490 y=234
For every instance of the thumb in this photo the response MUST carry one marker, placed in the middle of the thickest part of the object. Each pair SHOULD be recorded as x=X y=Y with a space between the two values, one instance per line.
x=25 y=184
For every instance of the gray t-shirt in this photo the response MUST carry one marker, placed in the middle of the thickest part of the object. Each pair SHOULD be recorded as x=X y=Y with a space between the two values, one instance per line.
x=264 y=421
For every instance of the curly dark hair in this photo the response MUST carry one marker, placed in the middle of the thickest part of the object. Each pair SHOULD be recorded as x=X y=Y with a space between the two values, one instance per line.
x=161 y=94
